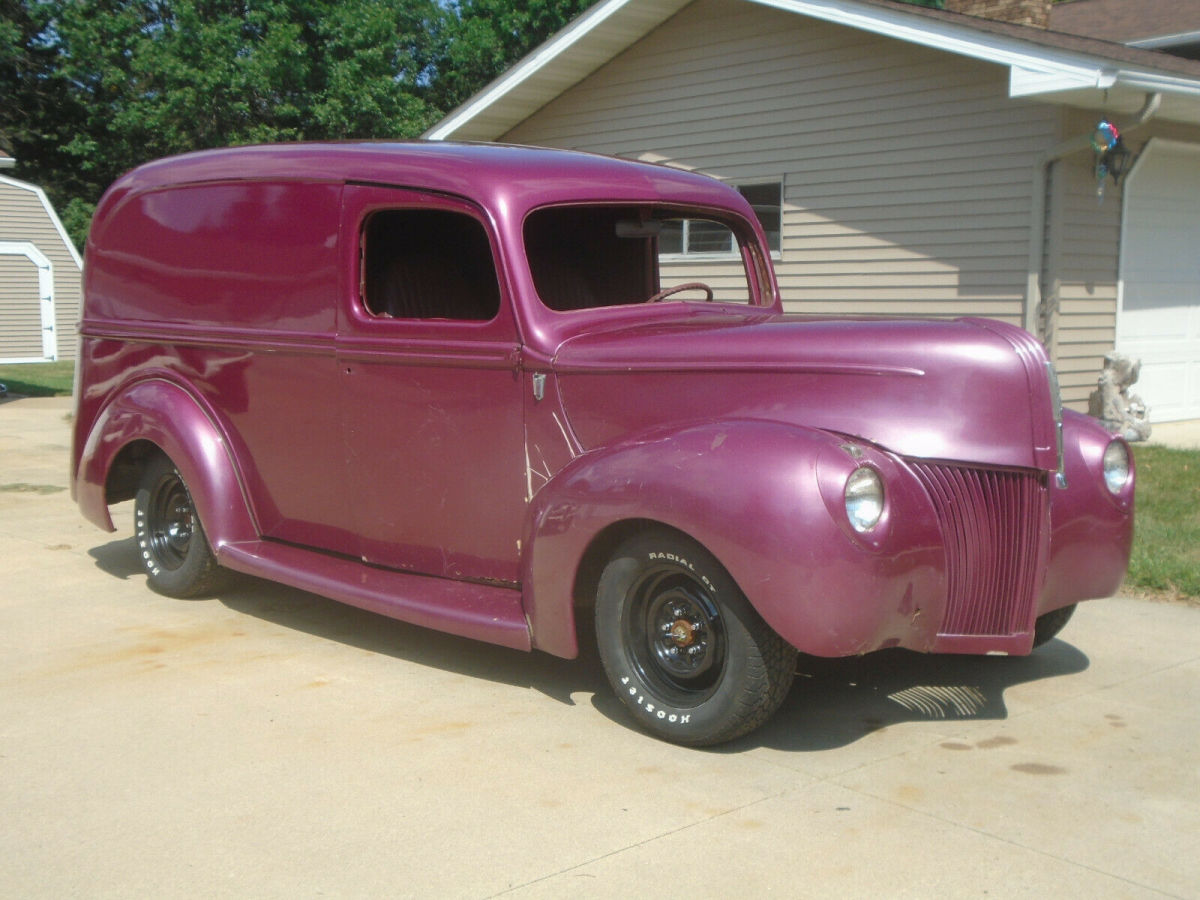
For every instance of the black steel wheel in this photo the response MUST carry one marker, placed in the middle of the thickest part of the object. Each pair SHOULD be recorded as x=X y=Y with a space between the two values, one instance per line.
x=171 y=541
x=681 y=645
x=1048 y=625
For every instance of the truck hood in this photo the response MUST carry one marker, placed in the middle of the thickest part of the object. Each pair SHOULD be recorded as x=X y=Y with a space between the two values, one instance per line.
x=972 y=390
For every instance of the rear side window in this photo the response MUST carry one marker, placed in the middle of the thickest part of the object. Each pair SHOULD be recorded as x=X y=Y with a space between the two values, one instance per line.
x=428 y=264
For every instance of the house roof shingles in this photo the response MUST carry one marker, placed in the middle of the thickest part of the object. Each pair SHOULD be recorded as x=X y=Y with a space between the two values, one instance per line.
x=1126 y=20
x=1067 y=39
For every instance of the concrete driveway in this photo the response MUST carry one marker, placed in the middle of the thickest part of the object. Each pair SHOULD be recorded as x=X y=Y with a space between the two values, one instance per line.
x=270 y=743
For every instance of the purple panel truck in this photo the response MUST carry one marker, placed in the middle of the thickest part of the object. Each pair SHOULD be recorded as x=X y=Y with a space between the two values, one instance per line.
x=459 y=386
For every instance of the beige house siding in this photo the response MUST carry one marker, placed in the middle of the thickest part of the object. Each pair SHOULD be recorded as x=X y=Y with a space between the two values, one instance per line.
x=906 y=171
x=1080 y=280
x=25 y=217
x=1082 y=258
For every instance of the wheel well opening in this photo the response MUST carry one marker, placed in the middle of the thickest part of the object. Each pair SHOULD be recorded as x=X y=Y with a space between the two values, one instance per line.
x=126 y=470
x=599 y=552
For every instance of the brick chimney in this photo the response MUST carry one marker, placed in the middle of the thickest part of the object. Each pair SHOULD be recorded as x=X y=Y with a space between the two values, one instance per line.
x=1020 y=12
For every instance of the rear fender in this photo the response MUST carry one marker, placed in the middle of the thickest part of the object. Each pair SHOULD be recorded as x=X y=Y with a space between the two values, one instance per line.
x=767 y=500
x=171 y=418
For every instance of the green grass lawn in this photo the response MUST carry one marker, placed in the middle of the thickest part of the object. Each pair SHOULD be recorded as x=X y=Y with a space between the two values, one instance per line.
x=1166 y=543
x=39 y=379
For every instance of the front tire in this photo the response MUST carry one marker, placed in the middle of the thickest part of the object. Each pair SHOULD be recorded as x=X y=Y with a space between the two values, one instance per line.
x=1048 y=625
x=171 y=542
x=685 y=652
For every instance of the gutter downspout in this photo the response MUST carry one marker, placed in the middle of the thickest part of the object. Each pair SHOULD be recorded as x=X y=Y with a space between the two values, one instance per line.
x=1037 y=224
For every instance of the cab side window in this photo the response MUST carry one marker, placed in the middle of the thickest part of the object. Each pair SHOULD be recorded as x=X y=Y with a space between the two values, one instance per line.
x=428 y=264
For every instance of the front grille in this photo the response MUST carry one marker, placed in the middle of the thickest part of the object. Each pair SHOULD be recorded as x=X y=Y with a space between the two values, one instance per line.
x=992 y=525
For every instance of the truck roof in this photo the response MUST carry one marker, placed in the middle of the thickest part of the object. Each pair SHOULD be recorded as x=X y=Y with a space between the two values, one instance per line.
x=496 y=175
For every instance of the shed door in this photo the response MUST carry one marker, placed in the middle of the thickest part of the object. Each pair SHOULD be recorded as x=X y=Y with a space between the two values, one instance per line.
x=1159 y=317
x=26 y=304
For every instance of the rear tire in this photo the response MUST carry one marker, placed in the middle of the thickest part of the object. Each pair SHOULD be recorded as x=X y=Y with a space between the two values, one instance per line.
x=171 y=542
x=681 y=645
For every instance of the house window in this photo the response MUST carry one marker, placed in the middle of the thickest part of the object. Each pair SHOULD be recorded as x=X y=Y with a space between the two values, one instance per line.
x=702 y=237
x=767 y=201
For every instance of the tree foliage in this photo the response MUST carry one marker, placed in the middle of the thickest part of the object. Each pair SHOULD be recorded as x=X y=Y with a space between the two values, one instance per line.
x=91 y=88
x=479 y=39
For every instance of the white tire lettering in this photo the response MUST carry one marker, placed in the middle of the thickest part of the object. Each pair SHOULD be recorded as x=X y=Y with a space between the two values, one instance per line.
x=679 y=560
x=653 y=711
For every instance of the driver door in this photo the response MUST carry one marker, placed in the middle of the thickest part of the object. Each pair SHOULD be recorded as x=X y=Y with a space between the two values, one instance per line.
x=428 y=360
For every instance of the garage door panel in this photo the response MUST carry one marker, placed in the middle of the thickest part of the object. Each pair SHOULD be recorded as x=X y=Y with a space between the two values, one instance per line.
x=1162 y=296
x=1159 y=317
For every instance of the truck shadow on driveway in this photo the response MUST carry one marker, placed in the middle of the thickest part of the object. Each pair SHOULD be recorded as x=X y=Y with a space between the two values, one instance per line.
x=330 y=620
x=833 y=702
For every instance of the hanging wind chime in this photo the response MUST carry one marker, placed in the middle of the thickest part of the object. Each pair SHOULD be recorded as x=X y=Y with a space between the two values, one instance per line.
x=1112 y=156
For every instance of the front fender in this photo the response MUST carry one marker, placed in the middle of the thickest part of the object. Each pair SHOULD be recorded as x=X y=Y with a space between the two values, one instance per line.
x=1091 y=529
x=167 y=415
x=765 y=498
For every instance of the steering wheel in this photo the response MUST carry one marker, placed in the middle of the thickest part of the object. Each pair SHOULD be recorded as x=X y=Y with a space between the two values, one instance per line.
x=689 y=286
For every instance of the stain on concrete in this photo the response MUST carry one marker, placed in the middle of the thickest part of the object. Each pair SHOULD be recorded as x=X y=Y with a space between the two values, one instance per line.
x=1038 y=769
x=25 y=488
x=998 y=741
x=954 y=745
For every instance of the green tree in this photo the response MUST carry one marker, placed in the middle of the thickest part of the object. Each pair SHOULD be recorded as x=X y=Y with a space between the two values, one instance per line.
x=479 y=39
x=91 y=88
x=38 y=113
x=102 y=85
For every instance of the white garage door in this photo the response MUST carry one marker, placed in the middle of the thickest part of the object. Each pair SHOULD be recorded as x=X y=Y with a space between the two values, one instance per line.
x=1159 y=317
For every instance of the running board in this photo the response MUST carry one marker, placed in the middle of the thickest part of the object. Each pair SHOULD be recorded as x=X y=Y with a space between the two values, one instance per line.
x=477 y=611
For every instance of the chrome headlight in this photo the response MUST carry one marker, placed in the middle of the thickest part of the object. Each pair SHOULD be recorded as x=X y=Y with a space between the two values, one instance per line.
x=864 y=499
x=1116 y=466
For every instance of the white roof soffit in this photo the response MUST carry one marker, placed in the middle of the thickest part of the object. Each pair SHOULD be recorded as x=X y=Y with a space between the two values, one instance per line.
x=1035 y=71
x=565 y=59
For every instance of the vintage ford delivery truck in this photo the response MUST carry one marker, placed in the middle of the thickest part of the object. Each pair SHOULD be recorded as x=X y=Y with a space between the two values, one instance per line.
x=472 y=387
